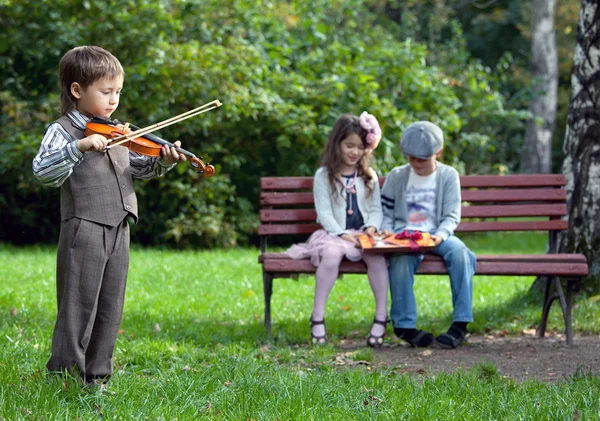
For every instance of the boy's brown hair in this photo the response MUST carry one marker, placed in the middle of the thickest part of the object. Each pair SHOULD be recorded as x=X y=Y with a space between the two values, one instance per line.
x=85 y=65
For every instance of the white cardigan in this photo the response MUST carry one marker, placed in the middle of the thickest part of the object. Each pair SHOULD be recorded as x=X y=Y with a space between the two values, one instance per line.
x=331 y=211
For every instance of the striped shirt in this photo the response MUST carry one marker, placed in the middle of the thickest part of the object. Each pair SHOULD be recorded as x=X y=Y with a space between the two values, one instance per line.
x=59 y=155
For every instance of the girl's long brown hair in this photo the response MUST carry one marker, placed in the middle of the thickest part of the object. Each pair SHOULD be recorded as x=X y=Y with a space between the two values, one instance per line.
x=345 y=126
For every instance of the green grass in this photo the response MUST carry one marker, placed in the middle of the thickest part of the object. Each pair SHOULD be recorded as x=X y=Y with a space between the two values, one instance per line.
x=192 y=346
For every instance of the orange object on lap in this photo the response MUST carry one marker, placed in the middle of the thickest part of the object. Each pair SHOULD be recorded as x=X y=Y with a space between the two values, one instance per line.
x=403 y=242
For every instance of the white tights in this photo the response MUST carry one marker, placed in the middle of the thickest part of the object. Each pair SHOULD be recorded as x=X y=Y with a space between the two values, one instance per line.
x=327 y=273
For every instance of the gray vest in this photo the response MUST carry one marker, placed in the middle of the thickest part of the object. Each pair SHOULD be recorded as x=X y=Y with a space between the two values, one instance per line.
x=100 y=188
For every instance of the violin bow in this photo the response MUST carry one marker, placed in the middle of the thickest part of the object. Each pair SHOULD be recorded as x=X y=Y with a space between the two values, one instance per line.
x=165 y=123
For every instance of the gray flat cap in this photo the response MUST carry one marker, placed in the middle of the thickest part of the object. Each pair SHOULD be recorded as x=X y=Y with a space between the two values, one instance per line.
x=422 y=139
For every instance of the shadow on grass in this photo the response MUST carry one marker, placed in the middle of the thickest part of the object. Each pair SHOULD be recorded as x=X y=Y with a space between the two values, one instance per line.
x=205 y=331
x=524 y=311
x=521 y=312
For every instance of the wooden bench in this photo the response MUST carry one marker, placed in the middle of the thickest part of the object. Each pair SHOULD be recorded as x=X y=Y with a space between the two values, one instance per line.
x=538 y=202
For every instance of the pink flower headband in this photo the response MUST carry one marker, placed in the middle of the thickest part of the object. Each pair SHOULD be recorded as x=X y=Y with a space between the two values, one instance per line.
x=371 y=125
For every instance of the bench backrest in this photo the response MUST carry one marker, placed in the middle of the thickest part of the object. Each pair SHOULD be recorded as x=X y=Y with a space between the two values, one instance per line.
x=534 y=202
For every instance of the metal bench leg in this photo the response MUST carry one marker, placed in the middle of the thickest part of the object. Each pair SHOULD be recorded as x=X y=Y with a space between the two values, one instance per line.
x=566 y=309
x=541 y=330
x=268 y=291
x=566 y=304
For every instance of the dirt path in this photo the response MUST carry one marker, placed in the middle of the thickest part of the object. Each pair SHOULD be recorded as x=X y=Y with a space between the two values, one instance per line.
x=523 y=357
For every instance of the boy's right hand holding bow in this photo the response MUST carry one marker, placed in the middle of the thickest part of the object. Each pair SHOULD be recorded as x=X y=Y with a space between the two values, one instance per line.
x=94 y=142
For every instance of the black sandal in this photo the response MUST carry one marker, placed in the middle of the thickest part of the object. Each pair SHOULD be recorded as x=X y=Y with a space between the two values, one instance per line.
x=317 y=340
x=376 y=341
x=418 y=338
x=452 y=338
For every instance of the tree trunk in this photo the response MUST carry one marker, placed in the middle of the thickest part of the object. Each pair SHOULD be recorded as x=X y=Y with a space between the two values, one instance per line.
x=536 y=156
x=582 y=146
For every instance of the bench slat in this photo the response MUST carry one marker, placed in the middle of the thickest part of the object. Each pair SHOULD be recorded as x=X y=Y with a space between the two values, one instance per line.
x=533 y=269
x=465 y=226
x=507 y=195
x=505 y=258
x=286 y=183
x=482 y=226
x=505 y=181
x=482 y=211
x=438 y=267
x=286 y=198
x=283 y=229
x=522 y=258
x=288 y=215
x=515 y=195
x=486 y=181
x=499 y=211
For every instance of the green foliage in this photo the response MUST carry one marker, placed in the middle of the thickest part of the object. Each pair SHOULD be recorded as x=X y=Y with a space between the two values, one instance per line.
x=494 y=32
x=284 y=72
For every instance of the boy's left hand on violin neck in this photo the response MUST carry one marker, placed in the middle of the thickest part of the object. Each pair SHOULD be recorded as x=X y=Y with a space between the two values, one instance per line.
x=170 y=156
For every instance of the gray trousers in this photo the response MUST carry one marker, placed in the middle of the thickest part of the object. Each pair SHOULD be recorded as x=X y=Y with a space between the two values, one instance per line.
x=91 y=274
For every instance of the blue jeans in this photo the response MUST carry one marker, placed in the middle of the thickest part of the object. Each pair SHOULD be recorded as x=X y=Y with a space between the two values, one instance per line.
x=460 y=262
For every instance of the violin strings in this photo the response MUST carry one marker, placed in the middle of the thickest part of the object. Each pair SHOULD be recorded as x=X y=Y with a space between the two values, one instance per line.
x=165 y=123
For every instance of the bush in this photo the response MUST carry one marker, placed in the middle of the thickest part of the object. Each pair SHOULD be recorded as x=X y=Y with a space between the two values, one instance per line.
x=284 y=72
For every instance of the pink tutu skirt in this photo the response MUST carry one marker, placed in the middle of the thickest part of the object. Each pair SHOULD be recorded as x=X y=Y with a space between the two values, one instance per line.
x=318 y=242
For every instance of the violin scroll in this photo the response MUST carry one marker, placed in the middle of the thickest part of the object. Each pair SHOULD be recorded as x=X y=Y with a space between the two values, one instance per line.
x=206 y=170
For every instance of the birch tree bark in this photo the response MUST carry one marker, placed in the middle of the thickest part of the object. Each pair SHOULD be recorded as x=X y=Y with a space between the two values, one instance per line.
x=581 y=148
x=536 y=156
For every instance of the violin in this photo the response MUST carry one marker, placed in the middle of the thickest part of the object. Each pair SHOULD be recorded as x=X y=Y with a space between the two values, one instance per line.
x=143 y=142
x=146 y=144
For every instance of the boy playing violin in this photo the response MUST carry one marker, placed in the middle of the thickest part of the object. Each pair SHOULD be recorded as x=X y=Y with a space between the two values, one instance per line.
x=96 y=200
